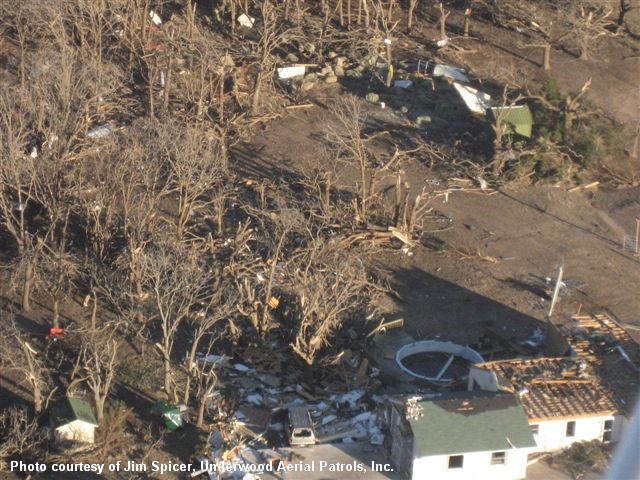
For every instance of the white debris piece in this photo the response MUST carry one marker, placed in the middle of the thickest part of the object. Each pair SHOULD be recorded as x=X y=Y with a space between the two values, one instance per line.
x=256 y=399
x=246 y=21
x=291 y=72
x=328 y=419
x=157 y=21
x=101 y=131
x=482 y=182
x=241 y=368
x=202 y=358
x=451 y=72
x=402 y=83
x=364 y=417
x=351 y=397
x=376 y=437
x=476 y=101
x=51 y=140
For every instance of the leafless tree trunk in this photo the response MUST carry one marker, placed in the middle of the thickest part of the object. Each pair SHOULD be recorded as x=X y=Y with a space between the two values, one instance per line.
x=444 y=15
x=467 y=19
x=20 y=356
x=410 y=9
x=99 y=359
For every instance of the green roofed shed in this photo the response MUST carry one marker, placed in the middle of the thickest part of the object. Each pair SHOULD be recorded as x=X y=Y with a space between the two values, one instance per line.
x=465 y=422
x=72 y=419
x=73 y=409
x=517 y=117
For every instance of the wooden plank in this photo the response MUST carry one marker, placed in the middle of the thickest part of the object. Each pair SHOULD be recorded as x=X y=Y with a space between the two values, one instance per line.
x=584 y=187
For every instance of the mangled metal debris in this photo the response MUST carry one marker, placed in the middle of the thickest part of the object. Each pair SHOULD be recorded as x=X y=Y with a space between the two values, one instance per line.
x=453 y=73
x=475 y=100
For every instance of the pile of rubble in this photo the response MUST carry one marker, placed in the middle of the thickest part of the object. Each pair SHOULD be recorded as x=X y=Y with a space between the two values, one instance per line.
x=266 y=388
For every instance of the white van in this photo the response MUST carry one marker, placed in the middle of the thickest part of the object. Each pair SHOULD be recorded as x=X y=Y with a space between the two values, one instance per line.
x=299 y=428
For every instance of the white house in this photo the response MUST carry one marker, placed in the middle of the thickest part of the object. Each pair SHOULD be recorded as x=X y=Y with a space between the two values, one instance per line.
x=461 y=435
x=585 y=396
x=563 y=402
x=73 y=420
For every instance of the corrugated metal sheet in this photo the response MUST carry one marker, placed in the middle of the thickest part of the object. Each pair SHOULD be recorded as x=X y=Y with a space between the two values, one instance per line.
x=518 y=117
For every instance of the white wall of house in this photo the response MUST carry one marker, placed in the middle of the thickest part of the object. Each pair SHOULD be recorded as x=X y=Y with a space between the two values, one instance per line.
x=77 y=431
x=552 y=434
x=475 y=466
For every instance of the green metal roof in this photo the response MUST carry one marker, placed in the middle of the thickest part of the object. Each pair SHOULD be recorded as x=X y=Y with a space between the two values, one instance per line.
x=464 y=422
x=73 y=409
x=170 y=413
x=518 y=117
x=82 y=410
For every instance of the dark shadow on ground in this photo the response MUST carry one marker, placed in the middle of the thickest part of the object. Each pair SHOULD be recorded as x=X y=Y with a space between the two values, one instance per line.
x=183 y=442
x=437 y=308
x=9 y=396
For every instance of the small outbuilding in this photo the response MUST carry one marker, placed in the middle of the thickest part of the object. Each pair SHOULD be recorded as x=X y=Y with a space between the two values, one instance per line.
x=73 y=420
x=461 y=435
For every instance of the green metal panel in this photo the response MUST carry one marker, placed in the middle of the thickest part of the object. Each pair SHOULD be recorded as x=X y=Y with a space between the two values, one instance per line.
x=518 y=117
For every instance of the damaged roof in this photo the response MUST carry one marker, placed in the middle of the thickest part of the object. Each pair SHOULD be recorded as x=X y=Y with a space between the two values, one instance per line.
x=601 y=379
x=554 y=388
x=463 y=422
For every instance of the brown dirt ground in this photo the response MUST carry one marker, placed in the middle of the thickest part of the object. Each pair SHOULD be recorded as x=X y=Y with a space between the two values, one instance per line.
x=529 y=230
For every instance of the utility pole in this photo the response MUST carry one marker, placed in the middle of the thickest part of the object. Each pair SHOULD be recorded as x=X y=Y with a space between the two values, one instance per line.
x=556 y=291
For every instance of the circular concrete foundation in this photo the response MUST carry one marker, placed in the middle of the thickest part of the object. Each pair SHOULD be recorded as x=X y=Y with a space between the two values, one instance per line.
x=436 y=361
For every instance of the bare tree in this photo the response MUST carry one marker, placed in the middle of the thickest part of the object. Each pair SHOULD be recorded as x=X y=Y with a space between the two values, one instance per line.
x=140 y=185
x=196 y=164
x=19 y=195
x=256 y=281
x=99 y=358
x=444 y=15
x=410 y=9
x=272 y=33
x=21 y=357
x=349 y=146
x=589 y=20
x=177 y=283
x=19 y=434
x=206 y=377
x=331 y=286
x=59 y=271
x=205 y=318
